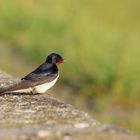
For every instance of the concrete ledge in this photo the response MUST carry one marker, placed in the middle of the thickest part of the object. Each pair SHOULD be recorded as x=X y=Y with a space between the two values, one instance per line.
x=41 y=117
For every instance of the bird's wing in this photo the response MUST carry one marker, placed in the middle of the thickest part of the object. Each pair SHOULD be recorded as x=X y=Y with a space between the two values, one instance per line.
x=39 y=76
x=45 y=72
x=25 y=84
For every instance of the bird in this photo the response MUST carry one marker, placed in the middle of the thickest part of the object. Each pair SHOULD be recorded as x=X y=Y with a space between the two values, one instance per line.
x=39 y=80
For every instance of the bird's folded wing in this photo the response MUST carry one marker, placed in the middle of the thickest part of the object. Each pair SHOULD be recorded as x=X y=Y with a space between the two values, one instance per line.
x=25 y=84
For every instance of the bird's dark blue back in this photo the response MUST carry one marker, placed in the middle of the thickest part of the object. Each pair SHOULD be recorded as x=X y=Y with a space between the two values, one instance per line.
x=44 y=71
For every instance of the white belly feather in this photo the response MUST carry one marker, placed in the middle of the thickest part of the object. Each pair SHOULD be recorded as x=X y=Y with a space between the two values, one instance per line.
x=44 y=87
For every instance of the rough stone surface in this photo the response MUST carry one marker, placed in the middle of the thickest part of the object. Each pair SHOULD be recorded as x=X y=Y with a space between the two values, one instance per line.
x=41 y=117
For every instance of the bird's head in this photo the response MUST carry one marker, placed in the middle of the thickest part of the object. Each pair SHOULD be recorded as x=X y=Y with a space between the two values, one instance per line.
x=54 y=58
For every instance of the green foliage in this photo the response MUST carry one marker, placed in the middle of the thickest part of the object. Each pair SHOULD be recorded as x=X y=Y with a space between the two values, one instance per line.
x=99 y=40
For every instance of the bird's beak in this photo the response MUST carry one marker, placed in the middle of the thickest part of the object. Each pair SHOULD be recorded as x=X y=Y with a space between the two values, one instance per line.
x=60 y=62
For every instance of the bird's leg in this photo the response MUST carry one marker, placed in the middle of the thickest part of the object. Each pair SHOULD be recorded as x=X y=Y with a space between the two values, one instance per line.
x=34 y=92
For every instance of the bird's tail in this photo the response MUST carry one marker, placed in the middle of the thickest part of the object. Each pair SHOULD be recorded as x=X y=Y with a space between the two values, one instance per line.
x=2 y=91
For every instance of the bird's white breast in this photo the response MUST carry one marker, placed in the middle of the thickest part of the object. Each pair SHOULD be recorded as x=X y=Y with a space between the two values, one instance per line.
x=44 y=87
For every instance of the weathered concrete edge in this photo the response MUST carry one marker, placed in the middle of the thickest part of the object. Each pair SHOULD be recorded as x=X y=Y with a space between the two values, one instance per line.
x=64 y=129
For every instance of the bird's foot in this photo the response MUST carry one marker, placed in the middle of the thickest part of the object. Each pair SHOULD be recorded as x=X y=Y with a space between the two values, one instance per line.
x=34 y=92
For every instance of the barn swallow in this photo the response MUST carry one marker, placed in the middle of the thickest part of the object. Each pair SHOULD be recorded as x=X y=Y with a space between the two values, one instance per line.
x=41 y=79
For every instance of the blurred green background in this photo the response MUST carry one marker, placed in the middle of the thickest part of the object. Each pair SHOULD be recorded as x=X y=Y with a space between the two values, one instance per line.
x=100 y=42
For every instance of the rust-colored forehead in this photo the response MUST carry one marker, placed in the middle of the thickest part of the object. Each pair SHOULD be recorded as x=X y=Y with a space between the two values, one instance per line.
x=59 y=62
